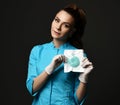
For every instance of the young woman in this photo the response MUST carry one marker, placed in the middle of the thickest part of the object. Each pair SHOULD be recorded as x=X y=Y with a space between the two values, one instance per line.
x=46 y=80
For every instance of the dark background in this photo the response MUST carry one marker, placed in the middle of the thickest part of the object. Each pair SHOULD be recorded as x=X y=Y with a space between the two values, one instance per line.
x=27 y=23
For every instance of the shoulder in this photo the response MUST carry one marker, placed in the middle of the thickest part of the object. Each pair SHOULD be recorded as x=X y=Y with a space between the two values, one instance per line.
x=38 y=48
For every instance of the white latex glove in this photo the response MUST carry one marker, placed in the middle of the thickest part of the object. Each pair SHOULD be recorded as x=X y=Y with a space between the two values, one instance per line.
x=56 y=61
x=88 y=67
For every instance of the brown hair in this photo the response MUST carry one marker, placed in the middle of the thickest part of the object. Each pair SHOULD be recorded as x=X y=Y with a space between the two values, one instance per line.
x=80 y=21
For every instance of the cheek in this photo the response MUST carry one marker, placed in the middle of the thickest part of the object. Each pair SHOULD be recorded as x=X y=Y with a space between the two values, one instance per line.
x=52 y=25
x=66 y=31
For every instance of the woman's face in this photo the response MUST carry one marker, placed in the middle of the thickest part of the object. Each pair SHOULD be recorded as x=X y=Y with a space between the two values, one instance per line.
x=62 y=26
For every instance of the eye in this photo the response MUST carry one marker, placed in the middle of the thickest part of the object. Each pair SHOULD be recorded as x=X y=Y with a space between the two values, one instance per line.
x=67 y=25
x=56 y=20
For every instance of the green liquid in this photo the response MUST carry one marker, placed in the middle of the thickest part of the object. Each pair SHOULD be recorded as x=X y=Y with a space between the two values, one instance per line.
x=74 y=61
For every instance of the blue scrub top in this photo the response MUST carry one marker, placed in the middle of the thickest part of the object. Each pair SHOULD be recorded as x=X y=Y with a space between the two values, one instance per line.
x=60 y=88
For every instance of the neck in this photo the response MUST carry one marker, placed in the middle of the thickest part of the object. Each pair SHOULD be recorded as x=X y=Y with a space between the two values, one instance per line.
x=58 y=43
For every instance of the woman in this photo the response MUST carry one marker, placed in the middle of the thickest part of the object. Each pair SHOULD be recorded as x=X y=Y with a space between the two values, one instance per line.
x=46 y=80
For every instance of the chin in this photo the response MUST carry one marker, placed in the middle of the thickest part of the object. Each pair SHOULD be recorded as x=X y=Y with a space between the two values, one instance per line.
x=55 y=36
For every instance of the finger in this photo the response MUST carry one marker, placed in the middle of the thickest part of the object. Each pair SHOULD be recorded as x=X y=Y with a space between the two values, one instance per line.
x=84 y=59
x=64 y=59
x=89 y=68
x=60 y=58
x=86 y=64
x=57 y=58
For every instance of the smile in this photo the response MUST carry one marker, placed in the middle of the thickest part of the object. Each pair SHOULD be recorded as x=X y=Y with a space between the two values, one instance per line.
x=58 y=33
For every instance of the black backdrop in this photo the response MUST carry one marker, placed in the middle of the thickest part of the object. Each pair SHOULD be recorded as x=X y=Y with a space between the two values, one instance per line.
x=27 y=23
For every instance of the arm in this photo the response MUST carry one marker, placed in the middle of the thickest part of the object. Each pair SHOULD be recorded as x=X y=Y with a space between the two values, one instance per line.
x=35 y=82
x=41 y=79
x=81 y=91
x=83 y=78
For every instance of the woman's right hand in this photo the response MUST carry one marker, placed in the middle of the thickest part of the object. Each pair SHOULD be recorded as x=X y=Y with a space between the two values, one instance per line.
x=56 y=61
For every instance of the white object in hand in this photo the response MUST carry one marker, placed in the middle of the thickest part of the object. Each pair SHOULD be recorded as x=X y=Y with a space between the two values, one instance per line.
x=73 y=60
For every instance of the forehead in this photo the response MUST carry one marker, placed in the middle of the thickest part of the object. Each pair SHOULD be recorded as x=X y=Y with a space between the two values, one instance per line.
x=65 y=17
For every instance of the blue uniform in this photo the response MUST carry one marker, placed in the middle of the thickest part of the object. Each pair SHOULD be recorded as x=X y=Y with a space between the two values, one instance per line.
x=60 y=88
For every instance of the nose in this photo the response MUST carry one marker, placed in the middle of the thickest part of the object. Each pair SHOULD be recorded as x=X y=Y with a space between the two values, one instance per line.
x=58 y=26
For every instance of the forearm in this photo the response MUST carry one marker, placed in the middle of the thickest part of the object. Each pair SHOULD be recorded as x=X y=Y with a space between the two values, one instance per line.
x=81 y=91
x=39 y=81
x=83 y=77
x=42 y=78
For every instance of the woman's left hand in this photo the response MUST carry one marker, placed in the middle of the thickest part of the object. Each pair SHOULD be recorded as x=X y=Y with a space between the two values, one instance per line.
x=88 y=67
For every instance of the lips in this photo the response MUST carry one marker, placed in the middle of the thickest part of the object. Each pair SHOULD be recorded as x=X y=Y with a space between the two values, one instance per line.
x=58 y=33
